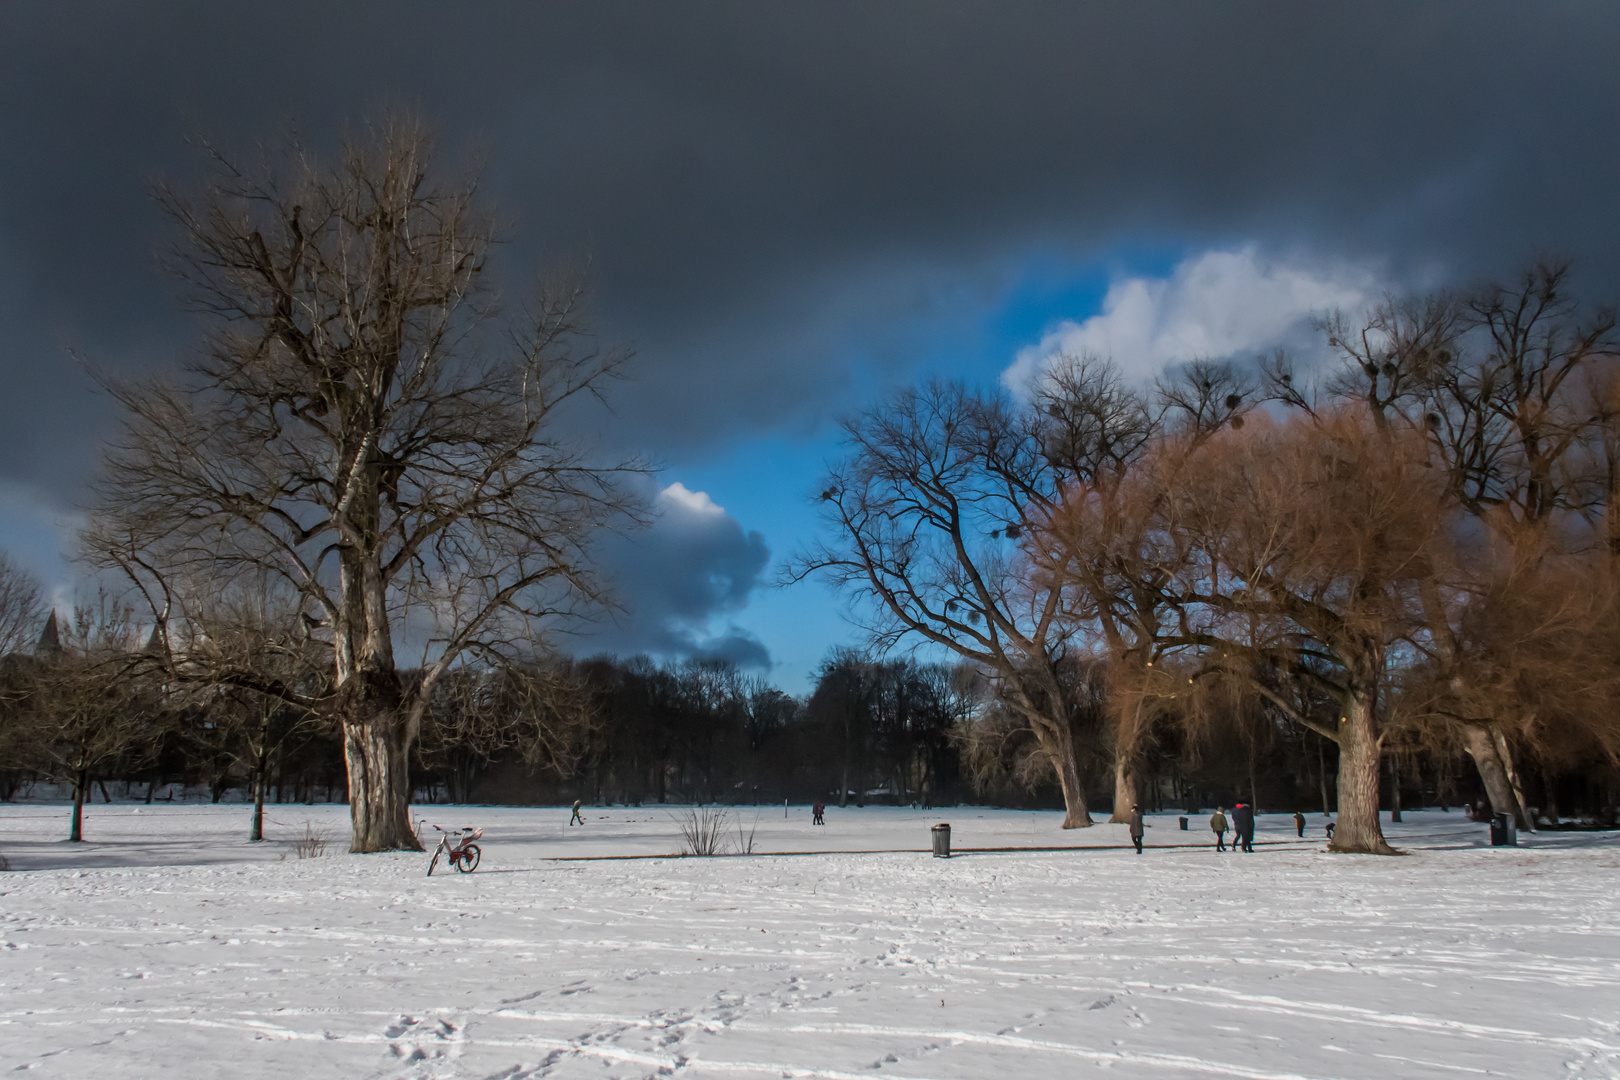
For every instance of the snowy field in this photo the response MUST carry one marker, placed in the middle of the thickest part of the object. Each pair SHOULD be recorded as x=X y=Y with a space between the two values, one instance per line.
x=169 y=948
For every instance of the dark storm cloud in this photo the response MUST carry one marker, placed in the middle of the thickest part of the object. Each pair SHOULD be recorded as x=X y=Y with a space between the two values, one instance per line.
x=694 y=566
x=754 y=184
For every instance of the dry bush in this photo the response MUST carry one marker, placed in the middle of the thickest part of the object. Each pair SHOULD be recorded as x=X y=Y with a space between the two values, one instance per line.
x=704 y=830
x=313 y=844
x=745 y=837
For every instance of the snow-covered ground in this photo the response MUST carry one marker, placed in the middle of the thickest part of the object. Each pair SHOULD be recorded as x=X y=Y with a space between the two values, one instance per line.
x=167 y=947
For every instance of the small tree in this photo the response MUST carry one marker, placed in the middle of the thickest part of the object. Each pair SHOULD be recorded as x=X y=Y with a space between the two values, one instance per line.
x=542 y=710
x=251 y=633
x=90 y=705
x=21 y=612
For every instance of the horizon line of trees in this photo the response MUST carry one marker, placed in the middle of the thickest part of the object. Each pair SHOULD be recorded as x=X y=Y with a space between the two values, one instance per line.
x=89 y=707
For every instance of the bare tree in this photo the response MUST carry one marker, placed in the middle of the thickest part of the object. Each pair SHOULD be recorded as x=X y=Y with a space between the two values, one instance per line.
x=1530 y=657
x=1299 y=552
x=21 y=607
x=252 y=632
x=1104 y=541
x=90 y=705
x=928 y=514
x=541 y=710
x=353 y=430
x=1510 y=384
x=21 y=613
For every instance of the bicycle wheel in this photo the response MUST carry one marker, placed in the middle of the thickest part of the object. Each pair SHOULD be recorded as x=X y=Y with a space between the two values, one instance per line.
x=469 y=859
x=434 y=863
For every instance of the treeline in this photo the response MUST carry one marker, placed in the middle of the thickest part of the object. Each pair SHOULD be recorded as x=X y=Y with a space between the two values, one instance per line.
x=1402 y=561
x=87 y=709
x=702 y=731
x=94 y=703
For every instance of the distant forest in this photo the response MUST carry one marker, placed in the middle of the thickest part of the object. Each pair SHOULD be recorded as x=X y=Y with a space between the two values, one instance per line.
x=634 y=732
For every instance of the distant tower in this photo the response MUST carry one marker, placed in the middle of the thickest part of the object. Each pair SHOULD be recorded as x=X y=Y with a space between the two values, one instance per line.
x=49 y=646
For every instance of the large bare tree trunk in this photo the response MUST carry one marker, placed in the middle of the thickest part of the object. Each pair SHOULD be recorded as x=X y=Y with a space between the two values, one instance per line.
x=376 y=745
x=1477 y=741
x=1505 y=754
x=1127 y=743
x=1058 y=742
x=1125 y=793
x=1360 y=761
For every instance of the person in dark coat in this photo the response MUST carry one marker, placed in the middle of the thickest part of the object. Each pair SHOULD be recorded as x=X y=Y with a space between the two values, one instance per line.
x=1136 y=828
x=1299 y=823
x=1217 y=825
x=577 y=816
x=816 y=814
x=1243 y=827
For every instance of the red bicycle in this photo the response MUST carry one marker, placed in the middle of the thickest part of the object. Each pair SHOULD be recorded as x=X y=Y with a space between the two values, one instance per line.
x=459 y=847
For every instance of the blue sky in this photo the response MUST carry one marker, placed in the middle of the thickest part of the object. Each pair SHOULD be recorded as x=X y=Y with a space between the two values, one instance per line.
x=973 y=334
x=769 y=482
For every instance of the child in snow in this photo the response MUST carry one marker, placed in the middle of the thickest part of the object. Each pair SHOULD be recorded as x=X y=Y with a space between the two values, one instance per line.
x=577 y=817
x=1217 y=825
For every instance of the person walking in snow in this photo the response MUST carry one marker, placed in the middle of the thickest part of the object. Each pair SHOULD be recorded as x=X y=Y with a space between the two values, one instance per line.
x=1299 y=823
x=577 y=816
x=1217 y=825
x=1136 y=828
x=1243 y=827
x=817 y=814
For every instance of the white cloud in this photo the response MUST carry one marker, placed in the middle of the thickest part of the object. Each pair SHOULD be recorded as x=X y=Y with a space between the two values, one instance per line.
x=694 y=502
x=680 y=580
x=1218 y=304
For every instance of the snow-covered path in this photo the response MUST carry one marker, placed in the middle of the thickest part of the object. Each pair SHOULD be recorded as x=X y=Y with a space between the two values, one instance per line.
x=1454 y=961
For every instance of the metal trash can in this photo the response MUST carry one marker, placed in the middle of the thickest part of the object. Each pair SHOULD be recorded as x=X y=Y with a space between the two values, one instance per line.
x=942 y=841
x=1183 y=824
x=1504 y=831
